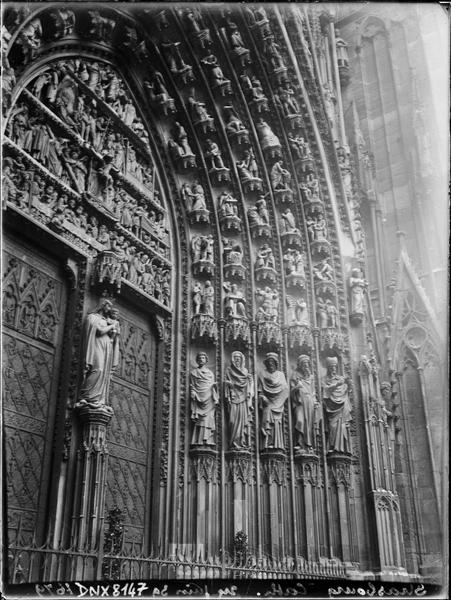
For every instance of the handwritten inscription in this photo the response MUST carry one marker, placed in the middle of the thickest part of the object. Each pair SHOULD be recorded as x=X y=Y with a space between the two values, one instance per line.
x=370 y=590
x=114 y=590
x=274 y=590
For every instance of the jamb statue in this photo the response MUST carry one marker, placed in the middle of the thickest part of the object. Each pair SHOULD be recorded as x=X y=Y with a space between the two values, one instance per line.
x=204 y=399
x=239 y=393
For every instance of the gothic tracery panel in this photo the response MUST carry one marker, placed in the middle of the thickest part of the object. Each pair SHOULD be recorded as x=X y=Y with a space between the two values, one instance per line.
x=131 y=395
x=33 y=311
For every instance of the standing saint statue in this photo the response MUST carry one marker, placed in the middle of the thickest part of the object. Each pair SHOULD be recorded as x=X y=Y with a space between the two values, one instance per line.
x=303 y=398
x=101 y=354
x=204 y=399
x=272 y=395
x=357 y=286
x=239 y=393
x=337 y=407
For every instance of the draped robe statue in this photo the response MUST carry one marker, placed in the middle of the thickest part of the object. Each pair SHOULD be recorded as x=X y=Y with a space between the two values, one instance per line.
x=337 y=407
x=304 y=402
x=239 y=392
x=272 y=395
x=101 y=355
x=357 y=285
x=204 y=399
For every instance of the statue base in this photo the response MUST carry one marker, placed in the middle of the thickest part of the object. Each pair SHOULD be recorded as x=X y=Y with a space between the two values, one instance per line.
x=93 y=412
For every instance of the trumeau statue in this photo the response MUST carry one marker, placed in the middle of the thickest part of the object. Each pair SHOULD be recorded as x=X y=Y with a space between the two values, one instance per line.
x=337 y=407
x=304 y=402
x=100 y=355
x=239 y=393
x=272 y=395
x=204 y=399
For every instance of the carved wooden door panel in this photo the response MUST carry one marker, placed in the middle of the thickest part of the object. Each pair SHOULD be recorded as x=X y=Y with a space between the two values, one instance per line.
x=34 y=297
x=129 y=438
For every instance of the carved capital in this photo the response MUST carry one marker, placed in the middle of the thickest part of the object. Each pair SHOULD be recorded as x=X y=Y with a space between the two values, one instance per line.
x=340 y=468
x=307 y=468
x=273 y=467
x=239 y=466
x=204 y=464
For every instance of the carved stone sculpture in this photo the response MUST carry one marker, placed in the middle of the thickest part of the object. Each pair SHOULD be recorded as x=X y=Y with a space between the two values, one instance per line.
x=254 y=92
x=193 y=197
x=304 y=403
x=268 y=304
x=257 y=19
x=158 y=93
x=179 y=147
x=176 y=63
x=235 y=129
x=272 y=395
x=264 y=266
x=294 y=268
x=337 y=407
x=30 y=38
x=202 y=254
x=227 y=210
x=234 y=301
x=238 y=52
x=280 y=177
x=269 y=141
x=357 y=285
x=291 y=235
x=287 y=101
x=218 y=170
x=199 y=115
x=218 y=81
x=332 y=313
x=100 y=355
x=208 y=298
x=321 y=311
x=236 y=322
x=248 y=172
x=204 y=399
x=301 y=150
x=233 y=256
x=195 y=24
x=239 y=394
x=297 y=311
x=63 y=21
x=323 y=271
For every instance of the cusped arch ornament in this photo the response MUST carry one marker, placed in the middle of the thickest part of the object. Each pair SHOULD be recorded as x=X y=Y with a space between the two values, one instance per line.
x=415 y=337
x=369 y=28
